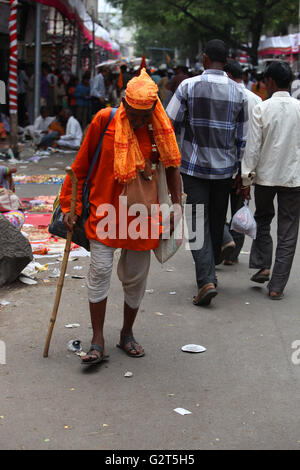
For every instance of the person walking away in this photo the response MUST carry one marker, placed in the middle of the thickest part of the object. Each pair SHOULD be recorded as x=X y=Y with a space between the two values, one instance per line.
x=273 y=154
x=59 y=94
x=45 y=92
x=212 y=109
x=232 y=240
x=127 y=148
x=72 y=137
x=163 y=85
x=71 y=93
x=180 y=75
x=22 y=90
x=98 y=90
x=82 y=95
x=247 y=82
x=30 y=95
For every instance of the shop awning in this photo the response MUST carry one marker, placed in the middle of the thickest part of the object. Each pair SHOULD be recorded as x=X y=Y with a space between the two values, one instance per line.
x=75 y=10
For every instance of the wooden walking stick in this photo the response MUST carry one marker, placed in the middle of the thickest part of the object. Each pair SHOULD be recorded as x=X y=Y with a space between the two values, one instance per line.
x=64 y=262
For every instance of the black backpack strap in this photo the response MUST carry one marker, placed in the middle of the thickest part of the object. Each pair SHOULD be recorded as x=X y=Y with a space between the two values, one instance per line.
x=97 y=152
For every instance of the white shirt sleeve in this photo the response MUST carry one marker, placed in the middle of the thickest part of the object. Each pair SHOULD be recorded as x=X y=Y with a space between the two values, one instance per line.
x=253 y=146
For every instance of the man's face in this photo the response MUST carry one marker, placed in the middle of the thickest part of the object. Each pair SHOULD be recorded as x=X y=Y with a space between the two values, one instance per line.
x=45 y=113
x=63 y=116
x=138 y=117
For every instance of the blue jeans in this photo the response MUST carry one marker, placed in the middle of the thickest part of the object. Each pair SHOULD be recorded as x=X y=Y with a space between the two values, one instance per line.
x=49 y=139
x=214 y=194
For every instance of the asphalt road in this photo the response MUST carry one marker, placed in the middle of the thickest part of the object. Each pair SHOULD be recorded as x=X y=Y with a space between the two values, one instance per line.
x=243 y=392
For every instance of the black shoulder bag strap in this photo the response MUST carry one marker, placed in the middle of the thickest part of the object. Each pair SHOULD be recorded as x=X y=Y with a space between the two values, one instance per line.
x=97 y=152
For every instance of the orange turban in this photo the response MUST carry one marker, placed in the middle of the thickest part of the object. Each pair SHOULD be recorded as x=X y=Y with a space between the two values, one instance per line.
x=141 y=93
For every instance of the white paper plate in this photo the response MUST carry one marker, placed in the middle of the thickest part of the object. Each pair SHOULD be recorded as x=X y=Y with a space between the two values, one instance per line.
x=193 y=348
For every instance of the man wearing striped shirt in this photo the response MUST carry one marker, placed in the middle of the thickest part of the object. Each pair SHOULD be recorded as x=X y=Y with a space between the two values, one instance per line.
x=209 y=111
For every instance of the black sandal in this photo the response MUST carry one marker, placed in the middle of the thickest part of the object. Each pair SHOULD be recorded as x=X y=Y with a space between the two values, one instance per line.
x=95 y=347
x=260 y=278
x=130 y=339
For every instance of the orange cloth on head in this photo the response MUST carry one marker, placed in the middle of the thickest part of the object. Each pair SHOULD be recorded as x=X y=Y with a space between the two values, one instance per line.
x=141 y=93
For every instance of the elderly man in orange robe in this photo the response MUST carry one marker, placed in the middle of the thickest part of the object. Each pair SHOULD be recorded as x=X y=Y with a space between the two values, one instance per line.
x=127 y=146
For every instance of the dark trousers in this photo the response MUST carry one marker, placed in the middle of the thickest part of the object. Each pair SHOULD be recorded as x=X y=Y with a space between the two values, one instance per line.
x=236 y=202
x=49 y=139
x=213 y=194
x=287 y=232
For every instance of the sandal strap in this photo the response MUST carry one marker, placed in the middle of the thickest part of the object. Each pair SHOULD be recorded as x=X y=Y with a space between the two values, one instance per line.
x=95 y=347
x=129 y=339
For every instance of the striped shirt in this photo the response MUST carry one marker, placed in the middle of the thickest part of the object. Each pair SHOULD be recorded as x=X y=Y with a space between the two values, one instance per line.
x=210 y=111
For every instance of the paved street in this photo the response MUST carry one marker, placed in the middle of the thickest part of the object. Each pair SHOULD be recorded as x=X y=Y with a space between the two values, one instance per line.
x=243 y=392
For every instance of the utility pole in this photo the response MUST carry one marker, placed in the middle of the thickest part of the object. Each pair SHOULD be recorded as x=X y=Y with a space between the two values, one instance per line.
x=93 y=51
x=13 y=77
x=37 y=62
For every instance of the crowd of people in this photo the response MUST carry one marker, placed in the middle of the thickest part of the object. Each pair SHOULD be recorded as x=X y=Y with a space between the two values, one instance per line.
x=86 y=96
x=215 y=131
x=229 y=138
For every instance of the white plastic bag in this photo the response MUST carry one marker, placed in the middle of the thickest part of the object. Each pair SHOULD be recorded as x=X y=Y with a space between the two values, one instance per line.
x=167 y=247
x=244 y=222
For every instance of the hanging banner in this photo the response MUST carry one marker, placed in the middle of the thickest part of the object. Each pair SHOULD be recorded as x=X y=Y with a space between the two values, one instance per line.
x=75 y=10
x=278 y=45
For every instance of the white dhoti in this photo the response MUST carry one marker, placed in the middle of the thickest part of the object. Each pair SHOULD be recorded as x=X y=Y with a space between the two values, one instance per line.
x=133 y=269
x=69 y=144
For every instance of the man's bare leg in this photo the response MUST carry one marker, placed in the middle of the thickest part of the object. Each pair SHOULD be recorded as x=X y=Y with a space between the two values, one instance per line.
x=132 y=347
x=97 y=312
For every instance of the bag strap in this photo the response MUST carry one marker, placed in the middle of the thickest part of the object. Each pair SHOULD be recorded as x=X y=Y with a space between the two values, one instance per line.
x=97 y=152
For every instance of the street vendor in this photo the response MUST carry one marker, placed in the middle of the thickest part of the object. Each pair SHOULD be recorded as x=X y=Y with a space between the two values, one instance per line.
x=6 y=173
x=126 y=149
x=10 y=205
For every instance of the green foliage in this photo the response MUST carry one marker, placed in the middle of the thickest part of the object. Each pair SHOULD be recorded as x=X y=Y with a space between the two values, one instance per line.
x=181 y=23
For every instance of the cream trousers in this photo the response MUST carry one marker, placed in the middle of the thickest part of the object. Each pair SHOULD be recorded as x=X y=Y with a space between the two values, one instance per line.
x=133 y=269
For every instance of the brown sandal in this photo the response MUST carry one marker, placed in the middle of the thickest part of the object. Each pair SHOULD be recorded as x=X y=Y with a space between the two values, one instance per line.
x=205 y=295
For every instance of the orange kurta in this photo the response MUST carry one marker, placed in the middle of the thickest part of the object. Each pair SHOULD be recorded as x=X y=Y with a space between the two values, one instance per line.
x=104 y=189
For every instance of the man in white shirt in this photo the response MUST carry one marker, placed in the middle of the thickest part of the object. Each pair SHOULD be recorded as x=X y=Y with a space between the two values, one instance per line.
x=232 y=240
x=40 y=127
x=245 y=77
x=98 y=90
x=73 y=135
x=295 y=88
x=272 y=154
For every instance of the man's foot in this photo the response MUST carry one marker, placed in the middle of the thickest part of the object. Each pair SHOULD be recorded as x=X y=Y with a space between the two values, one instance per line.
x=226 y=251
x=130 y=346
x=95 y=355
x=263 y=275
x=205 y=295
x=229 y=262
x=275 y=295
